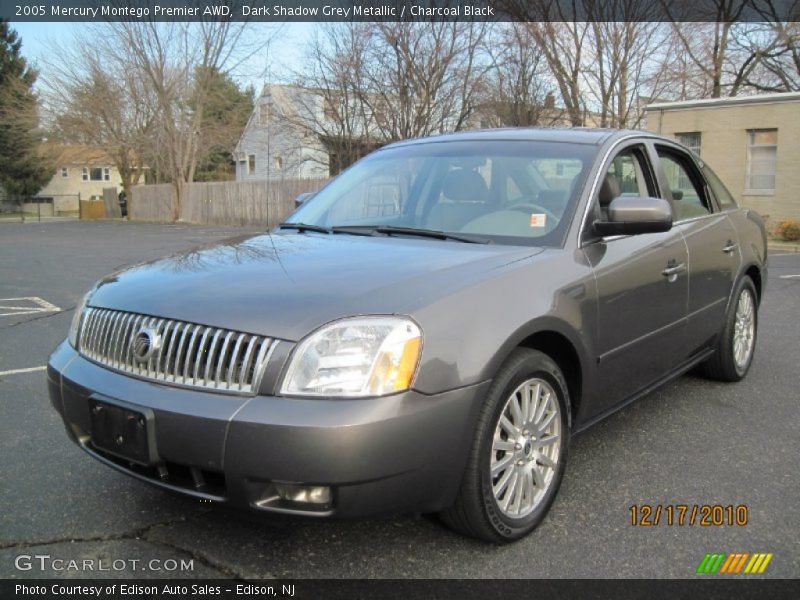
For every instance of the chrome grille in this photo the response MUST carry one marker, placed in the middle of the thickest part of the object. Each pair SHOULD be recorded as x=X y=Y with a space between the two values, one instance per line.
x=189 y=354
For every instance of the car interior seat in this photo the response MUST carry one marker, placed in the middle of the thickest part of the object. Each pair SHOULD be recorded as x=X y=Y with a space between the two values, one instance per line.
x=609 y=190
x=464 y=197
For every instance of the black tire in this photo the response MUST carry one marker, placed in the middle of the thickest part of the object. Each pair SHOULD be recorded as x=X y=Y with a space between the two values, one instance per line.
x=476 y=512
x=722 y=365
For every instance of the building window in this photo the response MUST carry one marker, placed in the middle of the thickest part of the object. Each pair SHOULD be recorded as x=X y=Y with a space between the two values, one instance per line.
x=251 y=164
x=263 y=116
x=691 y=140
x=96 y=174
x=64 y=172
x=762 y=155
x=278 y=162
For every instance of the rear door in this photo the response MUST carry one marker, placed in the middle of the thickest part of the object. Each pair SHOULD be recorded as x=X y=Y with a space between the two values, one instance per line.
x=712 y=242
x=641 y=308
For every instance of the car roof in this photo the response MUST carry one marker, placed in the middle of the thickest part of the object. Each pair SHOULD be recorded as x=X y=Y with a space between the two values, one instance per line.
x=595 y=136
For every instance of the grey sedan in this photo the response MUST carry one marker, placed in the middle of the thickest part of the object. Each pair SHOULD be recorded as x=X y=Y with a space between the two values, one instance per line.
x=424 y=334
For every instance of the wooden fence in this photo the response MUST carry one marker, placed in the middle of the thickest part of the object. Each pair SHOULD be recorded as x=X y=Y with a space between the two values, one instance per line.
x=111 y=201
x=259 y=203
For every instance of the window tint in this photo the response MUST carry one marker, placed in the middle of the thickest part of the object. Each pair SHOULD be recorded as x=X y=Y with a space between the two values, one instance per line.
x=721 y=193
x=688 y=200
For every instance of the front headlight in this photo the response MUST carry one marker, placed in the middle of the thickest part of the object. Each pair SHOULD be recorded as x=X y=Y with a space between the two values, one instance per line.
x=359 y=356
x=75 y=326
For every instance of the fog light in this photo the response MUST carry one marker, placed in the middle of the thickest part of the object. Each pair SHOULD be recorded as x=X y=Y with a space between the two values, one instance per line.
x=303 y=494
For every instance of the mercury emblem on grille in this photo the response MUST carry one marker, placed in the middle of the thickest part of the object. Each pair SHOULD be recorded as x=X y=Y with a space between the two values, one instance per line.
x=145 y=343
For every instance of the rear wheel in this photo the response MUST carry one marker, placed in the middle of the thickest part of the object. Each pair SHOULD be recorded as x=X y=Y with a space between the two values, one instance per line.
x=519 y=452
x=737 y=341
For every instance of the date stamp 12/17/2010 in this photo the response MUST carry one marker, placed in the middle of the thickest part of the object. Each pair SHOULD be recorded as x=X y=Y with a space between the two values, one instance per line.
x=702 y=515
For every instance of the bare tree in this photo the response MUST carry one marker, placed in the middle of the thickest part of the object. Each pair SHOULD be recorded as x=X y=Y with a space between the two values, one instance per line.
x=624 y=61
x=176 y=61
x=604 y=56
x=423 y=78
x=89 y=105
x=366 y=84
x=149 y=86
x=329 y=101
x=706 y=46
x=520 y=90
x=563 y=44
x=768 y=51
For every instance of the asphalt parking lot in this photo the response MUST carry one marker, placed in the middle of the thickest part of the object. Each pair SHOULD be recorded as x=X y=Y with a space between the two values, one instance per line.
x=691 y=442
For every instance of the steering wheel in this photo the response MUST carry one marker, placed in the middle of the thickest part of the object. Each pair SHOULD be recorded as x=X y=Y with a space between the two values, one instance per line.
x=532 y=208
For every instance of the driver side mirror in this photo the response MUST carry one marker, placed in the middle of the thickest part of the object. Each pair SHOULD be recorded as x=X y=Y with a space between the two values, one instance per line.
x=634 y=215
x=301 y=198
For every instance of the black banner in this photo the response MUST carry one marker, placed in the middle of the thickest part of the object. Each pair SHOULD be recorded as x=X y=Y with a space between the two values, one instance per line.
x=400 y=10
x=141 y=589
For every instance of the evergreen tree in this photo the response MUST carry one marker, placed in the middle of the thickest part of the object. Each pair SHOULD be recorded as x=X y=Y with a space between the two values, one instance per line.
x=225 y=114
x=23 y=170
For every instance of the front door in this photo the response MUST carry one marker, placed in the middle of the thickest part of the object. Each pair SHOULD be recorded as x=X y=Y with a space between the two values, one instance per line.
x=642 y=287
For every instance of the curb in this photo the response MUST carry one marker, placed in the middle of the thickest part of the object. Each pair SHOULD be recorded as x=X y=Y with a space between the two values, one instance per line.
x=779 y=247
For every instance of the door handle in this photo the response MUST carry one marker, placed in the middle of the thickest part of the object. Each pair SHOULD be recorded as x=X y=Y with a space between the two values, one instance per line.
x=672 y=270
x=730 y=246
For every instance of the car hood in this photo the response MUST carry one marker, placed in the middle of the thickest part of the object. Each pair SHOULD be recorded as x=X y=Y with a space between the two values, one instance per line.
x=286 y=285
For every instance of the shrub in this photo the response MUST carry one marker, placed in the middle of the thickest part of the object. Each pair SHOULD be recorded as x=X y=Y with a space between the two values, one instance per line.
x=788 y=229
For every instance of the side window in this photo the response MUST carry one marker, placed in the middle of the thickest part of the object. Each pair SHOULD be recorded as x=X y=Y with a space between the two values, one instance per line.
x=625 y=177
x=721 y=193
x=685 y=183
x=626 y=171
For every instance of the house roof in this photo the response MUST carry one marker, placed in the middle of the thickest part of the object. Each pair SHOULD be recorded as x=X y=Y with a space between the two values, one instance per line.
x=78 y=154
x=736 y=100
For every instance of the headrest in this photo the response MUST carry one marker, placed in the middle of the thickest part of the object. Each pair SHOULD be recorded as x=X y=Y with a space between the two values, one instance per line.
x=461 y=185
x=608 y=190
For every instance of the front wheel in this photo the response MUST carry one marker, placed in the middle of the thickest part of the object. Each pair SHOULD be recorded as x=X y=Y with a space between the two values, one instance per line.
x=518 y=456
x=737 y=341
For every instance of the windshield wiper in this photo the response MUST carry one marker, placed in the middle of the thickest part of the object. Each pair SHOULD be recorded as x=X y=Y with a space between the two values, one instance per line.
x=355 y=229
x=431 y=233
x=301 y=227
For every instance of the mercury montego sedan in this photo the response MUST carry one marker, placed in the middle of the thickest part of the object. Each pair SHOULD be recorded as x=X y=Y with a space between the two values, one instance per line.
x=425 y=333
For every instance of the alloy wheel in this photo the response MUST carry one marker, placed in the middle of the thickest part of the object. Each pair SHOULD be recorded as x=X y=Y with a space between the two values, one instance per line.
x=744 y=329
x=525 y=448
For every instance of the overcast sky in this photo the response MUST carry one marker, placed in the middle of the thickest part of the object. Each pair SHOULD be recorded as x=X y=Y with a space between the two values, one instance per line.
x=286 y=51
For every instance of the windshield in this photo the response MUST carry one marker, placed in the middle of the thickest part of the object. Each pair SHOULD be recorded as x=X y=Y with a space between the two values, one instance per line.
x=510 y=192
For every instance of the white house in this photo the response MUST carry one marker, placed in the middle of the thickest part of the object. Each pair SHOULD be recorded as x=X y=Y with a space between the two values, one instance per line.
x=81 y=172
x=277 y=142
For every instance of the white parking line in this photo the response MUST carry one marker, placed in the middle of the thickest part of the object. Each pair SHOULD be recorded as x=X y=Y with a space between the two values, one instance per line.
x=28 y=370
x=790 y=276
x=29 y=305
x=785 y=254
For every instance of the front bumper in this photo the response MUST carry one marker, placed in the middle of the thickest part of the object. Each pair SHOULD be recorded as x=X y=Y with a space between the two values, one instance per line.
x=405 y=452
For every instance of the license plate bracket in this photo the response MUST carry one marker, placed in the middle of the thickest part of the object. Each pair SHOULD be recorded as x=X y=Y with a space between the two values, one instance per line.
x=125 y=430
